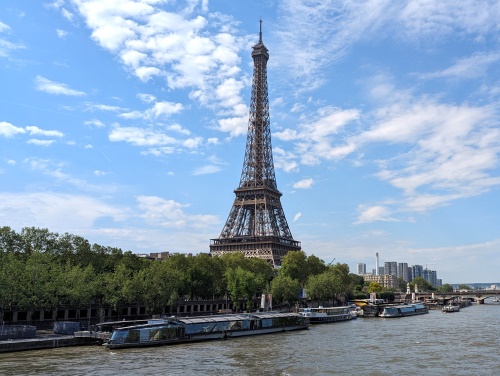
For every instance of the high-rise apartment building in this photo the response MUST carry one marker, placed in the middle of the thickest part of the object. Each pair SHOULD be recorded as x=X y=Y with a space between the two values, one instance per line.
x=391 y=268
x=361 y=268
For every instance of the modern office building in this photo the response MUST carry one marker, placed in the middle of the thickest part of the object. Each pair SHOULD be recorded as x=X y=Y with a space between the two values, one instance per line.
x=417 y=271
x=391 y=268
x=361 y=268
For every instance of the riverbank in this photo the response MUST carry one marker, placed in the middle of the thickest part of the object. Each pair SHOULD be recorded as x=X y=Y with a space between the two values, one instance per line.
x=44 y=339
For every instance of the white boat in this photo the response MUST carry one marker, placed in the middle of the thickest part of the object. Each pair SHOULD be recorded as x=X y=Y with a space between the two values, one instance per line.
x=451 y=308
x=322 y=315
x=402 y=310
x=189 y=329
x=496 y=300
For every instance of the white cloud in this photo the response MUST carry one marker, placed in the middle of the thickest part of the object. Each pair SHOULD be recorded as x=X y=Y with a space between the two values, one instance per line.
x=304 y=184
x=213 y=141
x=94 y=122
x=140 y=136
x=3 y=27
x=374 y=213
x=61 y=33
x=34 y=141
x=469 y=67
x=147 y=73
x=314 y=35
x=186 y=49
x=9 y=130
x=285 y=160
x=234 y=126
x=51 y=87
x=315 y=140
x=168 y=213
x=56 y=211
x=296 y=217
x=67 y=14
x=179 y=129
x=5 y=45
x=102 y=107
x=33 y=130
x=159 y=109
x=133 y=115
x=210 y=169
x=147 y=98
x=165 y=109
x=192 y=143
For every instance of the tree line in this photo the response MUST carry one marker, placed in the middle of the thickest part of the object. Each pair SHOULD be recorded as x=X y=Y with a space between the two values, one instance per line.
x=42 y=270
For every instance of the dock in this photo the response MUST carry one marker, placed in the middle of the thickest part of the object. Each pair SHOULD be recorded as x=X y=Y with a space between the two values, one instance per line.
x=49 y=340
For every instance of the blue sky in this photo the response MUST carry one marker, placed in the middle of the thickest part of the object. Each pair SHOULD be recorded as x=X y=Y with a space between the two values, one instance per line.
x=125 y=122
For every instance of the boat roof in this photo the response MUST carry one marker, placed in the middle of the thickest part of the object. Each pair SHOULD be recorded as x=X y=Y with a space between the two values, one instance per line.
x=210 y=319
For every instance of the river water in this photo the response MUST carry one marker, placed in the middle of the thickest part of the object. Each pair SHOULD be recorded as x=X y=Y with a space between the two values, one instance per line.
x=461 y=343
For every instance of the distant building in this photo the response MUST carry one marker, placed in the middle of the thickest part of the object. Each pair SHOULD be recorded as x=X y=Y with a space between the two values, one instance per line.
x=381 y=270
x=361 y=268
x=403 y=271
x=160 y=255
x=387 y=281
x=417 y=271
x=391 y=268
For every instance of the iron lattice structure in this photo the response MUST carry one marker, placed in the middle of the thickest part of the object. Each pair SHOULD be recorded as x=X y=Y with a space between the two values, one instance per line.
x=256 y=225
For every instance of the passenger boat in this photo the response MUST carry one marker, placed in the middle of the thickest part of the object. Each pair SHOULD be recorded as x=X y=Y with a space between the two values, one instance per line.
x=323 y=315
x=189 y=329
x=450 y=308
x=404 y=310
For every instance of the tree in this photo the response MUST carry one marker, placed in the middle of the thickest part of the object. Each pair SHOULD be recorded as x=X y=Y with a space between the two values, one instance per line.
x=285 y=289
x=159 y=285
x=446 y=288
x=422 y=284
x=240 y=284
x=464 y=287
x=294 y=265
x=318 y=287
x=315 y=265
x=375 y=287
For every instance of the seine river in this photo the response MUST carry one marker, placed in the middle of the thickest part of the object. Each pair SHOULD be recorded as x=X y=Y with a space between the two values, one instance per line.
x=462 y=343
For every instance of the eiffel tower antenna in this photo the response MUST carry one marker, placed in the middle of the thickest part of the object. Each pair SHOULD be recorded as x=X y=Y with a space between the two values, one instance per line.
x=256 y=225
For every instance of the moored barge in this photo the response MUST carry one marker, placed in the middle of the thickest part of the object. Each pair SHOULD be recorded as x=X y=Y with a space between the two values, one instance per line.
x=190 y=329
x=324 y=315
x=402 y=310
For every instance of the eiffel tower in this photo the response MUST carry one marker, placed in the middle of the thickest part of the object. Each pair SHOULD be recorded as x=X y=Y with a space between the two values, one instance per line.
x=256 y=225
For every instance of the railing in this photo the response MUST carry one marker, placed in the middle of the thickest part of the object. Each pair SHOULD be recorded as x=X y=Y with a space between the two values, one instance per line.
x=104 y=336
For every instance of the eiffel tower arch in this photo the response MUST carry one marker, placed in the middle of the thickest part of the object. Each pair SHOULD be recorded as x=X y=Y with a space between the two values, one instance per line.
x=256 y=225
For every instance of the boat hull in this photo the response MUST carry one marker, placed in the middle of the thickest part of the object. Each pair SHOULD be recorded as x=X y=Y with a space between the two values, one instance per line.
x=404 y=310
x=178 y=332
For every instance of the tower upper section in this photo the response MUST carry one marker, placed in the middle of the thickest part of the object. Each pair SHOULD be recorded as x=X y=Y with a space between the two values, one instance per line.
x=258 y=167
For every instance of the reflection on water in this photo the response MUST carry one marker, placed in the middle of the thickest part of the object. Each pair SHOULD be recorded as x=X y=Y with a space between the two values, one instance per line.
x=462 y=343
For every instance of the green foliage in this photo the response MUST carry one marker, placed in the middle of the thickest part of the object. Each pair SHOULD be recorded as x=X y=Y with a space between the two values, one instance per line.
x=334 y=283
x=446 y=288
x=315 y=265
x=375 y=287
x=422 y=284
x=44 y=270
x=464 y=287
x=294 y=265
x=241 y=283
x=285 y=289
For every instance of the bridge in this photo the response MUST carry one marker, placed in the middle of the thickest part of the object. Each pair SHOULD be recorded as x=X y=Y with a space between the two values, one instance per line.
x=476 y=295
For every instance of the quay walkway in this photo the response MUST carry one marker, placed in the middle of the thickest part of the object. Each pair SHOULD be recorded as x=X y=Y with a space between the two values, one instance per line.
x=46 y=339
